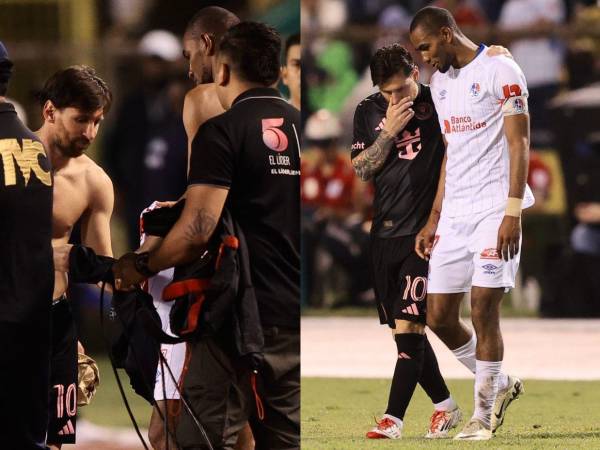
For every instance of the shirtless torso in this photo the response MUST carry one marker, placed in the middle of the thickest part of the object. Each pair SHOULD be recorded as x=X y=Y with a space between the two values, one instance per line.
x=82 y=190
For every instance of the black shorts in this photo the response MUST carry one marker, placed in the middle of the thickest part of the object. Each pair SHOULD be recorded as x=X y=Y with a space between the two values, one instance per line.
x=62 y=408
x=218 y=389
x=400 y=280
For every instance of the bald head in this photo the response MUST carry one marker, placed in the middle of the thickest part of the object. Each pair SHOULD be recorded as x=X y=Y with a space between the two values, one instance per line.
x=201 y=38
x=432 y=19
x=211 y=20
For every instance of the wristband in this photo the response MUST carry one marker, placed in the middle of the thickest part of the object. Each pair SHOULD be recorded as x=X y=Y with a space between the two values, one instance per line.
x=513 y=207
x=141 y=265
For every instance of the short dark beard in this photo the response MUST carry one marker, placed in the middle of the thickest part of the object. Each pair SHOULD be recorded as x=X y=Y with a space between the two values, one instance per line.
x=445 y=68
x=68 y=151
x=207 y=75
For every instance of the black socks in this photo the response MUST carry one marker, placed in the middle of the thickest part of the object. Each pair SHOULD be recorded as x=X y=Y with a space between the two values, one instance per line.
x=431 y=379
x=409 y=365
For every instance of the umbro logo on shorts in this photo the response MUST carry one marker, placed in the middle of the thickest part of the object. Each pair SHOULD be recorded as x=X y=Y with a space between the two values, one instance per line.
x=490 y=269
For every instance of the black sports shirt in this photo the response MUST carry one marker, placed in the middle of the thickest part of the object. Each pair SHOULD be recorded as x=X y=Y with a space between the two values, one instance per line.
x=26 y=265
x=405 y=186
x=252 y=149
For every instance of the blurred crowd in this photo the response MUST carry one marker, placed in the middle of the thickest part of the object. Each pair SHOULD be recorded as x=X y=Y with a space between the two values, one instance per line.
x=556 y=43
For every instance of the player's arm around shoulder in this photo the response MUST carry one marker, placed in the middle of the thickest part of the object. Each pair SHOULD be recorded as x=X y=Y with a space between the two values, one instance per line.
x=95 y=224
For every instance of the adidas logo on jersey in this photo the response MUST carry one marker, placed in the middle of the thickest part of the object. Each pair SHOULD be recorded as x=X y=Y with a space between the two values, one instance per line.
x=411 y=309
x=381 y=125
x=67 y=429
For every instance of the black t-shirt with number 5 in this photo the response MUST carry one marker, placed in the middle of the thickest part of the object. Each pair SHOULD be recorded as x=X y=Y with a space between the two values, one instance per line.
x=253 y=150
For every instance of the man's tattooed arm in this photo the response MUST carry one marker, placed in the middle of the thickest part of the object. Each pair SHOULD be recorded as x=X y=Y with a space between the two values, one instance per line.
x=189 y=236
x=201 y=227
x=371 y=160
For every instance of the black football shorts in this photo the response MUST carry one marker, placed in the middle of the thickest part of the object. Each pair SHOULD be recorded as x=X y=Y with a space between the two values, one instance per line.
x=62 y=408
x=400 y=280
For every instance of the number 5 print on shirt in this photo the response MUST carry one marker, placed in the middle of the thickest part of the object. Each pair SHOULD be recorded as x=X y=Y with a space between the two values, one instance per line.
x=273 y=137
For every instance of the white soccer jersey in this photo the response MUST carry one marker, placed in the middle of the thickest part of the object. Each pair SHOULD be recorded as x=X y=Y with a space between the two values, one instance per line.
x=174 y=354
x=469 y=105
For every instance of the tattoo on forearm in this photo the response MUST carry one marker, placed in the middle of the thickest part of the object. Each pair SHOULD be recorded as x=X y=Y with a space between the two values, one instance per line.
x=368 y=163
x=203 y=225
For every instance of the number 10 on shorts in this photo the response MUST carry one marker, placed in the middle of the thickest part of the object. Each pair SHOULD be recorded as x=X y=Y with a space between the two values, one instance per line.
x=417 y=288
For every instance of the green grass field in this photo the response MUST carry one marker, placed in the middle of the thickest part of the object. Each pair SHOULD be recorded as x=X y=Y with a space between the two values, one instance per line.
x=107 y=407
x=336 y=414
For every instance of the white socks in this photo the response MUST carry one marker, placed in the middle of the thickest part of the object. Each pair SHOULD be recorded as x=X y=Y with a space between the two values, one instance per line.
x=447 y=405
x=486 y=389
x=466 y=355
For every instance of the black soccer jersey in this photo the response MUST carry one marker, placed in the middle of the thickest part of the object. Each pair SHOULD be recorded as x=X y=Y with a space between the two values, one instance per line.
x=405 y=186
x=26 y=265
x=252 y=149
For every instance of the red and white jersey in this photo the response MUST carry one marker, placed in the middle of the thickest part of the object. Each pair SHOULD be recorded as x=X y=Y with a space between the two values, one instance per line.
x=471 y=103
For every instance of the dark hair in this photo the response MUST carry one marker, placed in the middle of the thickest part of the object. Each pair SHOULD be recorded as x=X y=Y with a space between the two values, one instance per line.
x=213 y=20
x=253 y=51
x=432 y=18
x=78 y=87
x=292 y=40
x=5 y=73
x=388 y=61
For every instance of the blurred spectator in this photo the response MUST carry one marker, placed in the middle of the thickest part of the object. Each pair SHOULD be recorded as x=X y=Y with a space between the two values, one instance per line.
x=467 y=13
x=367 y=12
x=539 y=179
x=337 y=77
x=318 y=15
x=128 y=14
x=393 y=23
x=541 y=58
x=492 y=9
x=327 y=176
x=291 y=70
x=146 y=150
x=572 y=285
x=585 y=237
x=334 y=236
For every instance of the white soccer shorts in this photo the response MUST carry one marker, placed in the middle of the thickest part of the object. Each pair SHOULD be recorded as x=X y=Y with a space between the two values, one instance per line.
x=464 y=255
